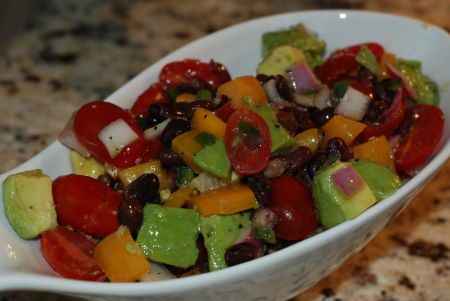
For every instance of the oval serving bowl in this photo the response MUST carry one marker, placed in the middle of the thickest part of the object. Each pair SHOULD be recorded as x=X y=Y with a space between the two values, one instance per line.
x=294 y=269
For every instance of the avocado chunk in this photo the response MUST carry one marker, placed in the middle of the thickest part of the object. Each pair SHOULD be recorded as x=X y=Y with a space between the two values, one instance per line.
x=213 y=159
x=280 y=60
x=297 y=36
x=28 y=202
x=332 y=205
x=281 y=140
x=427 y=90
x=381 y=180
x=219 y=233
x=169 y=235
x=89 y=167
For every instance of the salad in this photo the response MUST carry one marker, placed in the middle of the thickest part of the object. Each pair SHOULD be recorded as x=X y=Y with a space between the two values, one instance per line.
x=206 y=171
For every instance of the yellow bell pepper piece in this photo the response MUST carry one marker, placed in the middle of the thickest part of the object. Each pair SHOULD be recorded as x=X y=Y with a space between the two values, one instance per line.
x=206 y=121
x=345 y=128
x=120 y=258
x=377 y=150
x=179 y=197
x=227 y=200
x=185 y=97
x=186 y=147
x=90 y=167
x=130 y=174
x=243 y=91
x=309 y=138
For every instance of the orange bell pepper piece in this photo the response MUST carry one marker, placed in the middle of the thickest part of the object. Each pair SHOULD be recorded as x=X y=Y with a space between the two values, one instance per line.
x=309 y=138
x=243 y=91
x=185 y=97
x=228 y=200
x=206 y=121
x=186 y=147
x=120 y=257
x=377 y=150
x=179 y=197
x=345 y=128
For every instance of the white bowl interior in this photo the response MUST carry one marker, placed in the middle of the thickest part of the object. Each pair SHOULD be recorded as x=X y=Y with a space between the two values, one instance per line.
x=238 y=48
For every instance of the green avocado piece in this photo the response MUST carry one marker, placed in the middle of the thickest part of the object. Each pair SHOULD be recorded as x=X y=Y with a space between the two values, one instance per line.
x=169 y=235
x=219 y=233
x=280 y=60
x=297 y=36
x=427 y=90
x=381 y=180
x=332 y=205
x=213 y=159
x=28 y=202
x=281 y=140
x=89 y=167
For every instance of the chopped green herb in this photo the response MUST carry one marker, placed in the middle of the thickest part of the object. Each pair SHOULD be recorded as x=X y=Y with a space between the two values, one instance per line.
x=203 y=94
x=265 y=234
x=172 y=94
x=247 y=99
x=248 y=129
x=184 y=175
x=205 y=139
x=340 y=88
x=367 y=59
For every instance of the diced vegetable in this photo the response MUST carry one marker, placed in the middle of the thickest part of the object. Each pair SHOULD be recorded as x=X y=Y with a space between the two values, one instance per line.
x=206 y=121
x=116 y=136
x=309 y=138
x=243 y=91
x=128 y=175
x=90 y=167
x=303 y=79
x=377 y=150
x=185 y=97
x=179 y=197
x=120 y=257
x=186 y=146
x=342 y=127
x=347 y=180
x=353 y=105
x=227 y=200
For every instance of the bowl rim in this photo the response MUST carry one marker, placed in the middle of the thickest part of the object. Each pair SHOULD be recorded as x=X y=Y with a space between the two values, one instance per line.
x=16 y=279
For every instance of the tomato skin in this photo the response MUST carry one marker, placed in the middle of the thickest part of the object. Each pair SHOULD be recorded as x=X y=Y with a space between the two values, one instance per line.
x=375 y=48
x=179 y=73
x=225 y=111
x=93 y=117
x=294 y=206
x=422 y=139
x=389 y=123
x=244 y=159
x=336 y=69
x=155 y=93
x=70 y=254
x=139 y=151
x=86 y=204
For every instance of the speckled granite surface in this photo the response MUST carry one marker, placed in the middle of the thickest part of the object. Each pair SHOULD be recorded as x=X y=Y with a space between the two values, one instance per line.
x=76 y=51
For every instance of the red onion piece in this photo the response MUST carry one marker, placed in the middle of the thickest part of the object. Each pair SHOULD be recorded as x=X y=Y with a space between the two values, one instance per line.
x=303 y=79
x=69 y=139
x=396 y=103
x=412 y=93
x=347 y=180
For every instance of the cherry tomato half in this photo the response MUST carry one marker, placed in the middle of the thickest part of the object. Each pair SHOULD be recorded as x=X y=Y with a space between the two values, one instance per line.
x=154 y=93
x=247 y=142
x=86 y=204
x=293 y=204
x=181 y=73
x=390 y=121
x=93 y=117
x=422 y=139
x=70 y=254
x=336 y=69
x=375 y=48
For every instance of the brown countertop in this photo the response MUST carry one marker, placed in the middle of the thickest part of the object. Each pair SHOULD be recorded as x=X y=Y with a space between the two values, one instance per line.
x=73 y=52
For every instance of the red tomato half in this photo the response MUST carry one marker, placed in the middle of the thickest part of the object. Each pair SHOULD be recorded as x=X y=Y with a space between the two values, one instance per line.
x=154 y=93
x=70 y=254
x=86 y=204
x=293 y=204
x=422 y=139
x=336 y=69
x=179 y=73
x=375 y=48
x=247 y=142
x=93 y=117
x=390 y=121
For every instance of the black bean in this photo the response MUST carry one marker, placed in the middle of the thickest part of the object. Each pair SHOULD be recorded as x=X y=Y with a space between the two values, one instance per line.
x=193 y=86
x=337 y=149
x=173 y=129
x=169 y=158
x=320 y=117
x=276 y=167
x=240 y=253
x=110 y=181
x=283 y=88
x=303 y=119
x=317 y=161
x=157 y=112
x=187 y=109
x=262 y=78
x=130 y=214
x=376 y=109
x=261 y=188
x=297 y=159
x=145 y=189
x=288 y=121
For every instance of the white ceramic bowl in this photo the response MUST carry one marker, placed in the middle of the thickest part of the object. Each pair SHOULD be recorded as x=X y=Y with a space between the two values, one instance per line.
x=291 y=270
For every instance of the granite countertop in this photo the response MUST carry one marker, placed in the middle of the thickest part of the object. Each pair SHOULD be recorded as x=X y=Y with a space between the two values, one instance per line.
x=76 y=51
